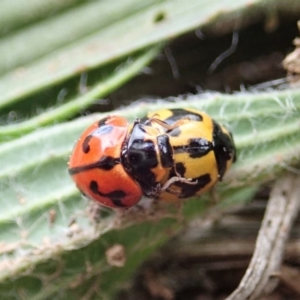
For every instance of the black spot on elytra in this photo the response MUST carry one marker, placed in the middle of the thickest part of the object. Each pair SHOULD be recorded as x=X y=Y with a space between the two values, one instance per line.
x=102 y=121
x=196 y=148
x=199 y=147
x=116 y=196
x=179 y=113
x=101 y=130
x=224 y=148
x=105 y=163
x=85 y=145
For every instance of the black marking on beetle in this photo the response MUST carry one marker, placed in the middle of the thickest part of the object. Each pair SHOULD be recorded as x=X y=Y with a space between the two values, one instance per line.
x=224 y=149
x=85 y=145
x=102 y=121
x=178 y=114
x=142 y=154
x=138 y=160
x=106 y=163
x=199 y=147
x=196 y=148
x=116 y=196
x=139 y=157
x=189 y=190
x=180 y=169
x=165 y=151
x=233 y=148
x=101 y=130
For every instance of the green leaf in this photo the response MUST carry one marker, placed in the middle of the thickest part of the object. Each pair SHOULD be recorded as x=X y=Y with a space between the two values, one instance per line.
x=36 y=186
x=51 y=245
x=71 y=108
x=29 y=70
x=14 y=13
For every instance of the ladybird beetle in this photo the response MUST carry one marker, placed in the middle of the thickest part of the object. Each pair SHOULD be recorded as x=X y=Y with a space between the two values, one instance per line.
x=178 y=153
x=95 y=164
x=169 y=155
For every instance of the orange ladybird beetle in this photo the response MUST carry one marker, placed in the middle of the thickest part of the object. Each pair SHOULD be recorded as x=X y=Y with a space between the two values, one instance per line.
x=95 y=164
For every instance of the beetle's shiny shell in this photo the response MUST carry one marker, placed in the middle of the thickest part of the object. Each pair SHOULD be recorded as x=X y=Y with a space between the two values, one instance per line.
x=96 y=168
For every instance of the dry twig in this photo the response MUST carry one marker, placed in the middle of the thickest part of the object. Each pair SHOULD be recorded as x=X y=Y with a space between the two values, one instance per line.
x=282 y=209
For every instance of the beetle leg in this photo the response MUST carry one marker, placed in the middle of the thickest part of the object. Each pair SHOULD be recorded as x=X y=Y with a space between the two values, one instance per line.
x=178 y=179
x=167 y=126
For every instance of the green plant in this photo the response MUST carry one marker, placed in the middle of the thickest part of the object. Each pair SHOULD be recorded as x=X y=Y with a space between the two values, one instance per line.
x=51 y=246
